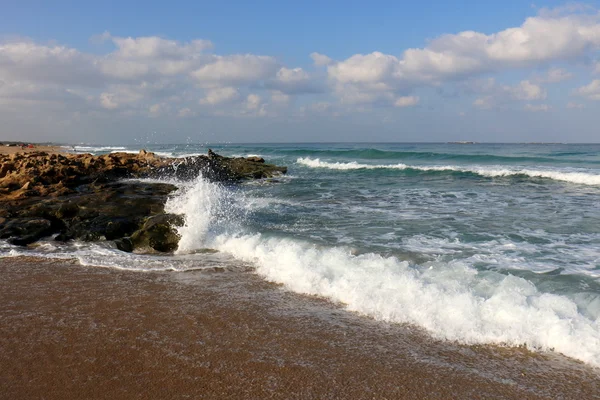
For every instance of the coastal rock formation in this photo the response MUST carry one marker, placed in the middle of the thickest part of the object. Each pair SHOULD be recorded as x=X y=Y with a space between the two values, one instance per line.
x=86 y=197
x=43 y=174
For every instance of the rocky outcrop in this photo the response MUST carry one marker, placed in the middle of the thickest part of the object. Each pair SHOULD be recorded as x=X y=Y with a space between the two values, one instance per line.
x=85 y=197
x=43 y=174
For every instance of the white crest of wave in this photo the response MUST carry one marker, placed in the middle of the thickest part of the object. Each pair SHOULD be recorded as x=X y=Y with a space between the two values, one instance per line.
x=95 y=149
x=572 y=176
x=198 y=201
x=317 y=163
x=452 y=302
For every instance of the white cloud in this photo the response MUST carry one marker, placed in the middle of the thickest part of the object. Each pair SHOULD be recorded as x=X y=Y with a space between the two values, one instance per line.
x=28 y=61
x=320 y=59
x=484 y=103
x=151 y=75
x=590 y=91
x=492 y=95
x=107 y=100
x=573 y=105
x=220 y=95
x=126 y=70
x=526 y=90
x=252 y=101
x=185 y=112
x=555 y=75
x=537 y=42
x=156 y=109
x=237 y=69
x=370 y=68
x=292 y=75
x=537 y=107
x=293 y=81
x=278 y=97
x=119 y=95
x=406 y=101
x=154 y=47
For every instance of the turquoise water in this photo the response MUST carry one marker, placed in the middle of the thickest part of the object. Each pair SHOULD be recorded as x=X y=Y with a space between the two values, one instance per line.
x=478 y=243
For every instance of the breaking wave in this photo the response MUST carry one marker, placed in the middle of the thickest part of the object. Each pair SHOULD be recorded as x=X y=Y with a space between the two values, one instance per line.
x=583 y=177
x=450 y=300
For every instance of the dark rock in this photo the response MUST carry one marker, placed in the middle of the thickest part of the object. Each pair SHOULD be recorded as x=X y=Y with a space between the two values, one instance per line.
x=67 y=210
x=80 y=196
x=124 y=244
x=159 y=233
x=64 y=237
x=23 y=231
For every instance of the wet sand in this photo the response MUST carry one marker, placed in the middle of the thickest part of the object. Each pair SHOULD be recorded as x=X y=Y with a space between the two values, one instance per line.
x=7 y=150
x=74 y=332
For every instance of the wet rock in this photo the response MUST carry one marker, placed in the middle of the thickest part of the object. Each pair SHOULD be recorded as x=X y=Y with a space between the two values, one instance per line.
x=159 y=233
x=67 y=210
x=23 y=231
x=84 y=197
x=124 y=244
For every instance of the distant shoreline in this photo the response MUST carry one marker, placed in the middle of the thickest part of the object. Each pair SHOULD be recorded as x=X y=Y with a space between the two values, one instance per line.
x=7 y=148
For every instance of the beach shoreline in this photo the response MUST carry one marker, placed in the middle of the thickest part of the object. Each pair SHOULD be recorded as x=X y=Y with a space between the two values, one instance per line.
x=72 y=331
x=50 y=149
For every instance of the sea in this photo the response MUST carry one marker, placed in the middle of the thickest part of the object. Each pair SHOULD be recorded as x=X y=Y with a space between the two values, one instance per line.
x=472 y=243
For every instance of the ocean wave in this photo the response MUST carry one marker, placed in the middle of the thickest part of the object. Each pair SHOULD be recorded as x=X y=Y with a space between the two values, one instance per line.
x=96 y=150
x=375 y=154
x=451 y=300
x=572 y=176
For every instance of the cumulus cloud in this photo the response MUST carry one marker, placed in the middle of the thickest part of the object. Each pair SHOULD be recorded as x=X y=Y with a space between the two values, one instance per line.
x=537 y=42
x=406 y=101
x=154 y=47
x=185 y=112
x=220 y=95
x=153 y=75
x=492 y=95
x=255 y=107
x=555 y=75
x=573 y=105
x=320 y=59
x=107 y=100
x=28 y=61
x=590 y=91
x=484 y=103
x=236 y=69
x=278 y=97
x=537 y=107
x=156 y=109
x=526 y=90
x=294 y=81
x=144 y=75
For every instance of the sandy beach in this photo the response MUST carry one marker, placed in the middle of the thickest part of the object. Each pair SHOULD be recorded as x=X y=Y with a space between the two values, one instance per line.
x=69 y=331
x=36 y=148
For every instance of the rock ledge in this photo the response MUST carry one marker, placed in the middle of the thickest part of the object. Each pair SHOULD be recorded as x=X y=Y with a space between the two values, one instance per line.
x=86 y=197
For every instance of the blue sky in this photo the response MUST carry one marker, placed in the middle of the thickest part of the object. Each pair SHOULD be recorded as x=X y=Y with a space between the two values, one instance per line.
x=124 y=72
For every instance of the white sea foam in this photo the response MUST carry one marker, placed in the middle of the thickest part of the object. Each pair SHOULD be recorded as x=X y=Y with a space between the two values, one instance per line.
x=106 y=255
x=97 y=149
x=583 y=177
x=451 y=300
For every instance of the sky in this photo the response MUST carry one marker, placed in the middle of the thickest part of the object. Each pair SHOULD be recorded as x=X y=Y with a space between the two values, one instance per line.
x=123 y=72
